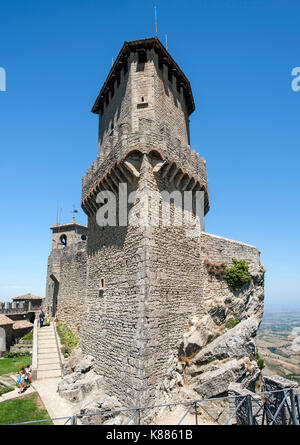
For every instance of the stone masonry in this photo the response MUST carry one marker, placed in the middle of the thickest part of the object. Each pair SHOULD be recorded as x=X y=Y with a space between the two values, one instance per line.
x=134 y=292
x=66 y=274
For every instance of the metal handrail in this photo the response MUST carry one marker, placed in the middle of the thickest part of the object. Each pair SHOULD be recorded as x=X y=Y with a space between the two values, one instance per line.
x=191 y=404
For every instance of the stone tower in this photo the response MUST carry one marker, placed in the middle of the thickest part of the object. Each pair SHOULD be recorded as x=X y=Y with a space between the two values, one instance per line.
x=65 y=271
x=144 y=283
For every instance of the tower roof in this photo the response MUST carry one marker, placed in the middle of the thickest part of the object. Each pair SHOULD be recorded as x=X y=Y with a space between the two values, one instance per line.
x=138 y=45
x=70 y=226
x=27 y=297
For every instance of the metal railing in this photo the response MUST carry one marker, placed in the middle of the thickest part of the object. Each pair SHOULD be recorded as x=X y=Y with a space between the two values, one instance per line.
x=281 y=407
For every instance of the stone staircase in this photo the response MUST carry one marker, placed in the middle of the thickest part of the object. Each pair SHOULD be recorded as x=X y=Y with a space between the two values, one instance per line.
x=48 y=363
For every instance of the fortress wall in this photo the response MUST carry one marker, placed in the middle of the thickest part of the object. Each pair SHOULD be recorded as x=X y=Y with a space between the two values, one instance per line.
x=181 y=288
x=216 y=292
x=174 y=292
x=111 y=323
x=66 y=284
x=53 y=269
x=72 y=286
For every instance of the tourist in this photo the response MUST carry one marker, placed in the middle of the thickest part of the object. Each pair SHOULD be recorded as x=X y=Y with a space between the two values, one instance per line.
x=41 y=318
x=21 y=381
x=28 y=375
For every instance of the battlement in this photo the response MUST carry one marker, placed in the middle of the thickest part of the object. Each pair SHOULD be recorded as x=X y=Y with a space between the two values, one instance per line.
x=8 y=307
x=167 y=148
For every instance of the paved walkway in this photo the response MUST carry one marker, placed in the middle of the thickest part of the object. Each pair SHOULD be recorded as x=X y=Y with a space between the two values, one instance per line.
x=48 y=376
x=54 y=404
x=48 y=365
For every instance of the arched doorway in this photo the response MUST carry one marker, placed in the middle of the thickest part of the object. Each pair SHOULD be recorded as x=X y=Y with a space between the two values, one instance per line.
x=55 y=289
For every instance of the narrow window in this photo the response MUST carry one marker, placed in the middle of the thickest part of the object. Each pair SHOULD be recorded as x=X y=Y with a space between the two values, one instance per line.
x=125 y=66
x=160 y=63
x=170 y=74
x=63 y=240
x=142 y=57
x=102 y=284
x=112 y=89
x=118 y=79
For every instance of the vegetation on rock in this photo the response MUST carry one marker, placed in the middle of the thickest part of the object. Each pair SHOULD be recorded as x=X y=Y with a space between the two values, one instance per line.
x=68 y=340
x=216 y=269
x=238 y=274
x=231 y=323
x=260 y=362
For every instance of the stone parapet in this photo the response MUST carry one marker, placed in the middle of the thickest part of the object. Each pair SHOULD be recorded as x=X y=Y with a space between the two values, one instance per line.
x=169 y=149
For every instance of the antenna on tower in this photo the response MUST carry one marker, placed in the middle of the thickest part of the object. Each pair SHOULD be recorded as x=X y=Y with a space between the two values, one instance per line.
x=74 y=210
x=155 y=20
x=59 y=216
x=166 y=41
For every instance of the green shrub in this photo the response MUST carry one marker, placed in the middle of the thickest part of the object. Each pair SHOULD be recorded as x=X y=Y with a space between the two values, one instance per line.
x=260 y=362
x=231 y=323
x=28 y=336
x=15 y=354
x=238 y=275
x=68 y=340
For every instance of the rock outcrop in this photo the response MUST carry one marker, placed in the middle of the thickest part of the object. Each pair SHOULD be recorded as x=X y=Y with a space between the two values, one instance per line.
x=211 y=358
x=80 y=384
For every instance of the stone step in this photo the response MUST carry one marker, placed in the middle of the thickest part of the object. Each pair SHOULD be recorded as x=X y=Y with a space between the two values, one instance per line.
x=46 y=340
x=50 y=361
x=47 y=343
x=48 y=367
x=45 y=354
x=48 y=374
x=49 y=356
x=46 y=334
x=47 y=350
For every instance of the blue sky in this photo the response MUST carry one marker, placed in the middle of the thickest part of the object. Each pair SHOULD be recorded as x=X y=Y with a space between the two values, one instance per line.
x=238 y=55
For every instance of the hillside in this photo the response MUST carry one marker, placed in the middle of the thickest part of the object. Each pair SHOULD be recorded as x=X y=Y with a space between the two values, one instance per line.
x=278 y=343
